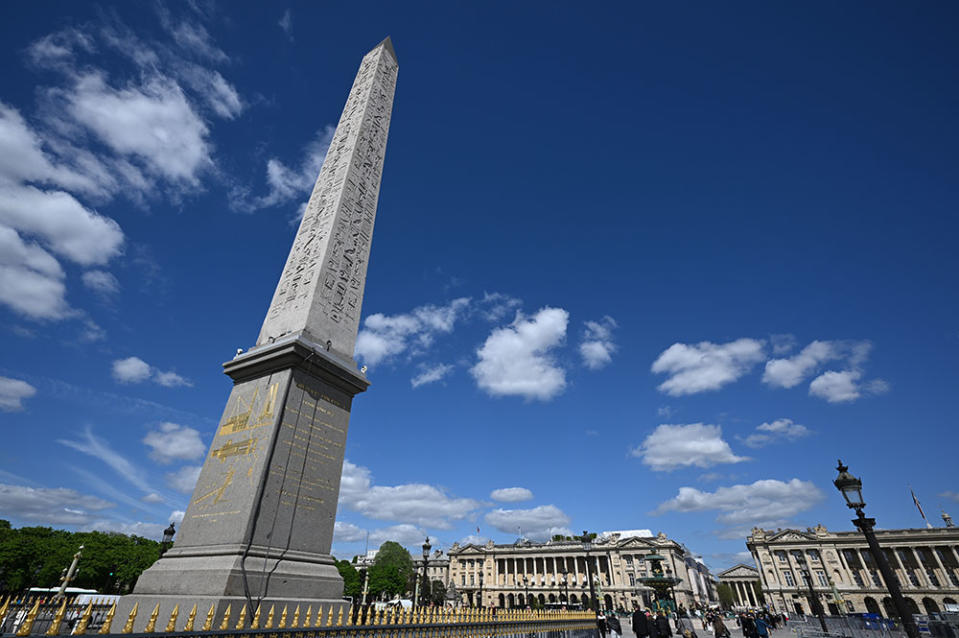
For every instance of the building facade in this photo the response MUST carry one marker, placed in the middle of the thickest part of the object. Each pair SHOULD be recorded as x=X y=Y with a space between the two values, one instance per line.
x=844 y=575
x=437 y=568
x=742 y=580
x=555 y=573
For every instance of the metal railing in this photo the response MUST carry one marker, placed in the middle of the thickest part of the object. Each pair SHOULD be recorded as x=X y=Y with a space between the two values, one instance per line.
x=38 y=617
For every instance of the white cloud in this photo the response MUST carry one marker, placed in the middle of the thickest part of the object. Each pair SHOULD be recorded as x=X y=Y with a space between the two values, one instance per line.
x=91 y=332
x=153 y=123
x=131 y=370
x=474 y=539
x=48 y=506
x=538 y=523
x=787 y=373
x=13 y=392
x=139 y=528
x=778 y=430
x=950 y=495
x=404 y=534
x=136 y=370
x=414 y=503
x=347 y=532
x=517 y=360
x=431 y=374
x=193 y=37
x=101 y=282
x=100 y=449
x=670 y=447
x=386 y=336
x=598 y=347
x=171 y=442
x=511 y=494
x=184 y=479
x=153 y=497
x=286 y=23
x=176 y=516
x=706 y=366
x=765 y=503
x=495 y=306
x=836 y=387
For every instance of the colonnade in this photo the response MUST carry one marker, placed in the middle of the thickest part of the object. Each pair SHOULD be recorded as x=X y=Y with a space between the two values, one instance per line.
x=543 y=571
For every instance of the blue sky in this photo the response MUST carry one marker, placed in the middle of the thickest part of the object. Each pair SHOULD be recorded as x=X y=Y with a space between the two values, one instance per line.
x=653 y=266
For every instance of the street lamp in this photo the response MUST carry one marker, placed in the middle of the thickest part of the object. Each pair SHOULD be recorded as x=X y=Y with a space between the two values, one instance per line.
x=814 y=601
x=526 y=587
x=587 y=546
x=167 y=539
x=480 y=603
x=426 y=560
x=565 y=584
x=851 y=489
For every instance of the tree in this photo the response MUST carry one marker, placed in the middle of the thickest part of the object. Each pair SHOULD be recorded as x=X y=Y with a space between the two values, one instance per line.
x=438 y=593
x=725 y=593
x=392 y=570
x=352 y=579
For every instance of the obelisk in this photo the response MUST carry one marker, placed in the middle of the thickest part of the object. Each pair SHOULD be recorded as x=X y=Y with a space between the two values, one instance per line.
x=259 y=527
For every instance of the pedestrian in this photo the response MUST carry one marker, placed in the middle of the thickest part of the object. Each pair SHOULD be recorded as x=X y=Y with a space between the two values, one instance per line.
x=615 y=628
x=749 y=626
x=601 y=625
x=640 y=623
x=762 y=627
x=663 y=629
x=719 y=627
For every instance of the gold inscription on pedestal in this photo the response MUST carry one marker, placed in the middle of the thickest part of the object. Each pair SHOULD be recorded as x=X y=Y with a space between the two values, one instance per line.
x=228 y=449
x=217 y=492
x=240 y=417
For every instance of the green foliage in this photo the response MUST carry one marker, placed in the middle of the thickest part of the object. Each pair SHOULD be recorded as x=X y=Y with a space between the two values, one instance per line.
x=438 y=593
x=391 y=572
x=352 y=579
x=36 y=556
x=725 y=593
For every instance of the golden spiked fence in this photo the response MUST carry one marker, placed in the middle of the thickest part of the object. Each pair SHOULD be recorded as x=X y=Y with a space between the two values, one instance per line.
x=37 y=617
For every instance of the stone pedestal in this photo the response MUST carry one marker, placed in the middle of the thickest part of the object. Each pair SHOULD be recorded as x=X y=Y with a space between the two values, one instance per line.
x=260 y=524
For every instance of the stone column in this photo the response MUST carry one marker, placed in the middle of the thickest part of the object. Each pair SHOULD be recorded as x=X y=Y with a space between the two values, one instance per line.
x=943 y=576
x=920 y=568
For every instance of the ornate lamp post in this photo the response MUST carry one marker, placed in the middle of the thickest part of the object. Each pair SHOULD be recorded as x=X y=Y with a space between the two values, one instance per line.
x=565 y=584
x=426 y=560
x=526 y=587
x=480 y=602
x=814 y=603
x=587 y=546
x=851 y=489
x=68 y=574
x=167 y=542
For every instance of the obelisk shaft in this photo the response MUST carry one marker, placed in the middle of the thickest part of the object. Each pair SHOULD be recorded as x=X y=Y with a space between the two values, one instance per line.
x=320 y=292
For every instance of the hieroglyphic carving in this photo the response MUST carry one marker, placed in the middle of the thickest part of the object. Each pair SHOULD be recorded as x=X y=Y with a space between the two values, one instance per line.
x=321 y=288
x=238 y=419
x=228 y=449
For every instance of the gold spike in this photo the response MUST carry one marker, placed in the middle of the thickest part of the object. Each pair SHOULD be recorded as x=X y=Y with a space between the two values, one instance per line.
x=27 y=626
x=5 y=606
x=378 y=617
x=128 y=627
x=190 y=619
x=306 y=618
x=269 y=617
x=370 y=612
x=225 y=623
x=339 y=617
x=391 y=616
x=208 y=623
x=171 y=624
x=57 y=619
x=242 y=619
x=296 y=618
x=349 y=617
x=282 y=624
x=255 y=623
x=108 y=621
x=152 y=623
x=81 y=627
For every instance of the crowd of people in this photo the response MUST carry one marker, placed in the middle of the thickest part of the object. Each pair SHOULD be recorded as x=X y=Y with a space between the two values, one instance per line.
x=648 y=624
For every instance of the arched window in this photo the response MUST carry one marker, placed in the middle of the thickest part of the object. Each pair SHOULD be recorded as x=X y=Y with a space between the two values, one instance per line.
x=930 y=605
x=872 y=606
x=502 y=601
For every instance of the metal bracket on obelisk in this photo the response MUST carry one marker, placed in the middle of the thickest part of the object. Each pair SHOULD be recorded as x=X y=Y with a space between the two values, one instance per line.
x=259 y=527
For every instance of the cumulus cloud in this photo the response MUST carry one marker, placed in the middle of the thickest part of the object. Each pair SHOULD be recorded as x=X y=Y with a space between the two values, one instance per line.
x=136 y=528
x=386 y=336
x=518 y=360
x=786 y=373
x=835 y=386
x=431 y=374
x=539 y=523
x=152 y=497
x=511 y=494
x=136 y=370
x=598 y=347
x=778 y=430
x=496 y=306
x=49 y=506
x=404 y=534
x=670 y=447
x=172 y=442
x=765 y=503
x=347 y=532
x=694 y=368
x=31 y=279
x=184 y=479
x=413 y=503
x=13 y=392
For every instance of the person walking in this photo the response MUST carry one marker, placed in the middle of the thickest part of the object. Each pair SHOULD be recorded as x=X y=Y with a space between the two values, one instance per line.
x=719 y=627
x=663 y=629
x=601 y=625
x=615 y=628
x=640 y=623
x=762 y=627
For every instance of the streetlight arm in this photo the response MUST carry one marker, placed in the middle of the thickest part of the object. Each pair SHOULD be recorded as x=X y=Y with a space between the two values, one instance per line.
x=866 y=526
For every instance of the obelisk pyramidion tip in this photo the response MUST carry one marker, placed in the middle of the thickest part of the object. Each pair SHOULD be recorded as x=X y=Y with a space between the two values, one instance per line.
x=389 y=47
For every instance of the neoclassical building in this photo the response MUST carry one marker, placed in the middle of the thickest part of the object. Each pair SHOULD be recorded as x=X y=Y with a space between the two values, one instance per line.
x=555 y=572
x=843 y=573
x=742 y=580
